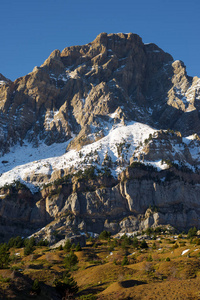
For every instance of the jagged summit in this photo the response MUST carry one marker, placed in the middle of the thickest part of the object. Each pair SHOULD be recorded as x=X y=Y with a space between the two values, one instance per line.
x=4 y=80
x=75 y=90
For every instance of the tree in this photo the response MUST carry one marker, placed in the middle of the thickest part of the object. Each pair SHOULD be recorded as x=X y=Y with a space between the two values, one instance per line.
x=78 y=247
x=70 y=260
x=29 y=246
x=4 y=256
x=192 y=232
x=104 y=235
x=135 y=242
x=67 y=246
x=16 y=242
x=125 y=261
x=42 y=243
x=66 y=284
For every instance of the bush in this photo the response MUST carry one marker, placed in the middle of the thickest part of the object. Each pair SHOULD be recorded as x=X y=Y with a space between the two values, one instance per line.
x=149 y=258
x=60 y=248
x=154 y=246
x=175 y=246
x=36 y=287
x=142 y=166
x=135 y=242
x=144 y=245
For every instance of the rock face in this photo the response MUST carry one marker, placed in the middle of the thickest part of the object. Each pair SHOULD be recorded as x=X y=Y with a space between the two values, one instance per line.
x=81 y=95
x=76 y=89
x=138 y=199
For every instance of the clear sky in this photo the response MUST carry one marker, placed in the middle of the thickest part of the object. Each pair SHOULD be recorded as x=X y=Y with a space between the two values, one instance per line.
x=31 y=30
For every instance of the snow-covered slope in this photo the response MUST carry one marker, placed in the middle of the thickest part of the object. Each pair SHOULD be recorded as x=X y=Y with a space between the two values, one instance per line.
x=44 y=160
x=115 y=150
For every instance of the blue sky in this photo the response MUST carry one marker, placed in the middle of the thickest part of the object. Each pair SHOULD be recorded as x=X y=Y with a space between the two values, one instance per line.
x=31 y=30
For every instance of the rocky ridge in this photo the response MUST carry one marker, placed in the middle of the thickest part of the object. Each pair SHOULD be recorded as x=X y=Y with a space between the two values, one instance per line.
x=126 y=115
x=75 y=90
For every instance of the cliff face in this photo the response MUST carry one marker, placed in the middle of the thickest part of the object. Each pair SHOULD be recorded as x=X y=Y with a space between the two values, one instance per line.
x=138 y=199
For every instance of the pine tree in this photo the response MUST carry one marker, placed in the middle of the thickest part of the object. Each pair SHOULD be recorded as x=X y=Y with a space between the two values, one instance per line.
x=125 y=261
x=70 y=260
x=66 y=284
x=67 y=246
x=4 y=256
x=78 y=247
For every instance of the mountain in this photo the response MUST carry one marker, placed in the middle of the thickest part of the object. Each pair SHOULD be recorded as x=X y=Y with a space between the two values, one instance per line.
x=100 y=136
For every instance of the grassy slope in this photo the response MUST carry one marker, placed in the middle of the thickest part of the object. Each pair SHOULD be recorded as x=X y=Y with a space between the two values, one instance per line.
x=161 y=273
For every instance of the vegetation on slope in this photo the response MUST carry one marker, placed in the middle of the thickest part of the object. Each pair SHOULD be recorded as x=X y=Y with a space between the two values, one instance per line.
x=152 y=265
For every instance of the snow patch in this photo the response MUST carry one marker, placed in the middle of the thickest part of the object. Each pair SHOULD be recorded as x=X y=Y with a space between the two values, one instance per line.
x=185 y=251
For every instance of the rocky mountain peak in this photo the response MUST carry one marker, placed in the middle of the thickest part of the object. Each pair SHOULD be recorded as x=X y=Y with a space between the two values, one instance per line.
x=115 y=127
x=75 y=91
x=4 y=80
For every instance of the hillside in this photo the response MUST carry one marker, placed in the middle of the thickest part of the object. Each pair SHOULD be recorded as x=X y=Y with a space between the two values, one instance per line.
x=155 y=265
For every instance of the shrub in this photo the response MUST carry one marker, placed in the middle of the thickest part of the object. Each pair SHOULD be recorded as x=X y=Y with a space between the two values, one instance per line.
x=60 y=248
x=135 y=242
x=36 y=287
x=149 y=258
x=142 y=166
x=154 y=246
x=197 y=241
x=125 y=261
x=175 y=246
x=144 y=245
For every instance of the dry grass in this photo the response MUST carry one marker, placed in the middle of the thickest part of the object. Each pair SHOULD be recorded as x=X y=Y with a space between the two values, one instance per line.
x=161 y=273
x=173 y=289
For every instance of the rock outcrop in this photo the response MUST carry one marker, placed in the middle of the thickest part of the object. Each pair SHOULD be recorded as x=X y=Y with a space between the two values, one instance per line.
x=138 y=200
